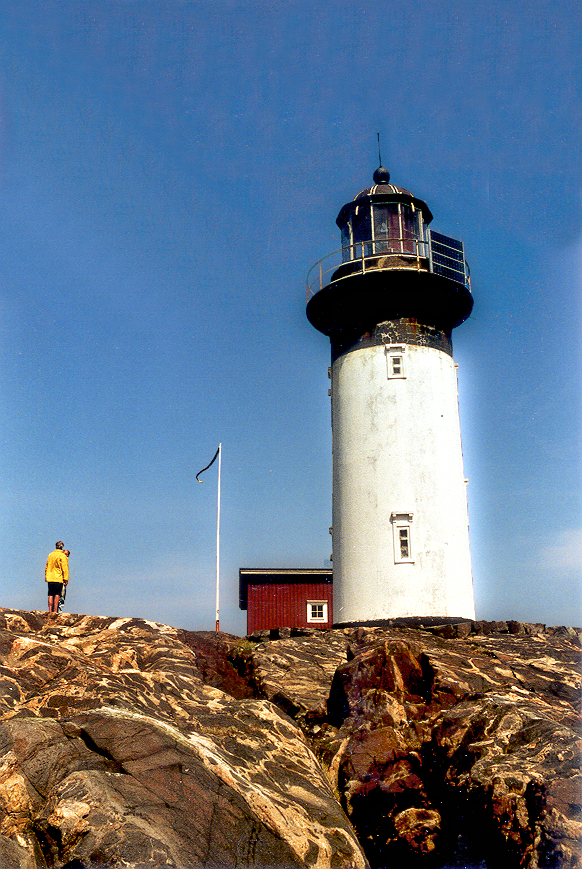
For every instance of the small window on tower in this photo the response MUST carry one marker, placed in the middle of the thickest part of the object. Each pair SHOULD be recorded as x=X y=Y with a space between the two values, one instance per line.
x=316 y=610
x=395 y=363
x=404 y=538
x=402 y=531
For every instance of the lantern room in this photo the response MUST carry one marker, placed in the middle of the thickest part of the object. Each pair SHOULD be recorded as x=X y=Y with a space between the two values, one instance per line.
x=384 y=219
x=391 y=265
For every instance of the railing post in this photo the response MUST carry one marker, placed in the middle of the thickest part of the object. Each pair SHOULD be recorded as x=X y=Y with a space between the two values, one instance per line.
x=430 y=263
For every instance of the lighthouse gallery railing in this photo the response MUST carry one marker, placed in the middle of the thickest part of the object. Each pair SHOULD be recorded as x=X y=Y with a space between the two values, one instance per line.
x=440 y=254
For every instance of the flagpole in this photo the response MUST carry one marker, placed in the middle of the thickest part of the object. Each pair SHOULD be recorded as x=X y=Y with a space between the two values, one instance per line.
x=218 y=542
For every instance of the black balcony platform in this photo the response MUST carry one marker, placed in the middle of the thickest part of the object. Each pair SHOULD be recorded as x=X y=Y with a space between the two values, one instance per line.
x=355 y=303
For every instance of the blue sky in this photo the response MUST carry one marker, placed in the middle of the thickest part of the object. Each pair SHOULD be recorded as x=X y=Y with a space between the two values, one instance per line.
x=168 y=173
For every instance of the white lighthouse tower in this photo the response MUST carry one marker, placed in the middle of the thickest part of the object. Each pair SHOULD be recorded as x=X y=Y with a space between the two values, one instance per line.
x=389 y=300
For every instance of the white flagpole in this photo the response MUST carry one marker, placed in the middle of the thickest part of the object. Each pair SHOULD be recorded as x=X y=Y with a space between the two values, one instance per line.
x=218 y=542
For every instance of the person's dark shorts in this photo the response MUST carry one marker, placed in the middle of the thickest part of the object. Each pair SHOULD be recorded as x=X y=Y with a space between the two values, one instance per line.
x=55 y=588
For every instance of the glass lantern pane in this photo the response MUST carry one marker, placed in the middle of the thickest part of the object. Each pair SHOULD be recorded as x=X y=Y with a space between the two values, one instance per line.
x=346 y=242
x=362 y=232
x=410 y=229
x=386 y=229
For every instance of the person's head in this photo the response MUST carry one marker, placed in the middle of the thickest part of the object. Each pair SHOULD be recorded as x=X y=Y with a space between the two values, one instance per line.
x=59 y=544
x=67 y=552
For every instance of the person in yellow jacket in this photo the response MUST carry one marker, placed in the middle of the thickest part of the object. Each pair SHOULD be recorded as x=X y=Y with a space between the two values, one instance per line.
x=56 y=573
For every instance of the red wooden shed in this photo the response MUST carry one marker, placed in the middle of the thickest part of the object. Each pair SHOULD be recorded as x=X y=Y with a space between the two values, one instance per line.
x=286 y=597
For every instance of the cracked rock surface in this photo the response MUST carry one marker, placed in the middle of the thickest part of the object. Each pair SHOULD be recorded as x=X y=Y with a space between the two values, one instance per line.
x=114 y=752
x=125 y=743
x=452 y=746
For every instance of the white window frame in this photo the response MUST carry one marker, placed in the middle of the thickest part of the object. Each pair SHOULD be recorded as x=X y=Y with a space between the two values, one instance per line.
x=310 y=618
x=401 y=522
x=395 y=351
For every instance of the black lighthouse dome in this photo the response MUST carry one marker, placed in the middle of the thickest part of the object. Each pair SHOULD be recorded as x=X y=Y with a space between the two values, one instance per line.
x=391 y=266
x=381 y=175
x=381 y=179
x=381 y=193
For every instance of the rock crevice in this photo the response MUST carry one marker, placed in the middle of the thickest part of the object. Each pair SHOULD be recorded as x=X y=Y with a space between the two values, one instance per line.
x=127 y=743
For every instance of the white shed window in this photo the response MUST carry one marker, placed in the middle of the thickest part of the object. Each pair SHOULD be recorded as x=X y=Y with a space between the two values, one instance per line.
x=316 y=610
x=395 y=358
x=402 y=534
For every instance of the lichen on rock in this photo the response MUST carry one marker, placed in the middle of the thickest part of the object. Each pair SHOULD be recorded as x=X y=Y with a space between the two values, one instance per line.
x=125 y=743
x=115 y=752
x=474 y=728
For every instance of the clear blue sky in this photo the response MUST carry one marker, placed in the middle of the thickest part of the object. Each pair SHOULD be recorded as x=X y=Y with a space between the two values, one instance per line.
x=169 y=172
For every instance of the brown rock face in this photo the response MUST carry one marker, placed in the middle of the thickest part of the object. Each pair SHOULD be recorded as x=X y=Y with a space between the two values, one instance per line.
x=129 y=744
x=114 y=752
x=457 y=746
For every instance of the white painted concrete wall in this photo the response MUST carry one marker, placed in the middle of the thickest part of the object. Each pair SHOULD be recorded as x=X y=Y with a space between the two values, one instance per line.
x=397 y=449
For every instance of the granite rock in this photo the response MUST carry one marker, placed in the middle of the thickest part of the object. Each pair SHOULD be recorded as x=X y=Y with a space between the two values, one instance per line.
x=128 y=743
x=115 y=752
x=448 y=745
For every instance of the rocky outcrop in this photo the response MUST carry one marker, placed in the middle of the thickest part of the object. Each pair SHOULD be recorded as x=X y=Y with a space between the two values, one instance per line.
x=126 y=743
x=114 y=752
x=454 y=745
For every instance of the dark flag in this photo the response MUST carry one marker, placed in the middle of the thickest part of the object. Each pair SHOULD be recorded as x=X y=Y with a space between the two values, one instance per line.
x=209 y=465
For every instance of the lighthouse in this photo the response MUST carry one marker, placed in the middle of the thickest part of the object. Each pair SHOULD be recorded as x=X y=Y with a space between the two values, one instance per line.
x=389 y=300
